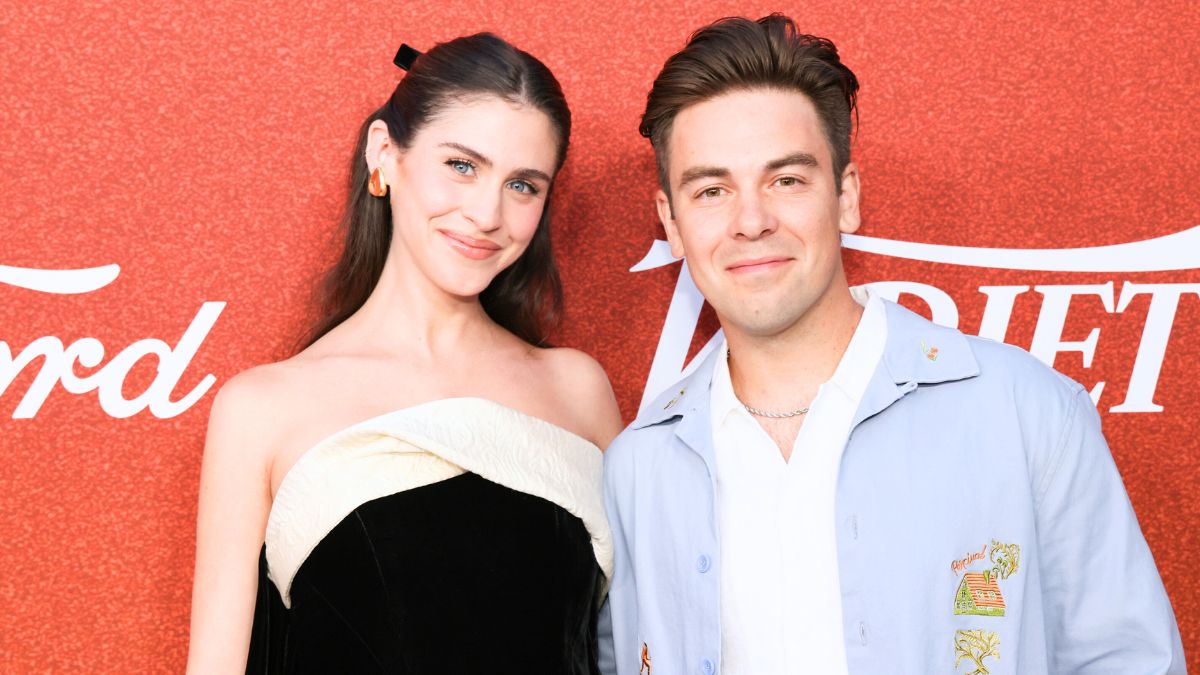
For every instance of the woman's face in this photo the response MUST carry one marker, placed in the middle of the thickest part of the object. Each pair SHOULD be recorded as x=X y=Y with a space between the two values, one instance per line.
x=468 y=194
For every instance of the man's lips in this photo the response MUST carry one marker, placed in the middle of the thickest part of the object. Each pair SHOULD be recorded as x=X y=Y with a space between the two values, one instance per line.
x=757 y=264
x=475 y=249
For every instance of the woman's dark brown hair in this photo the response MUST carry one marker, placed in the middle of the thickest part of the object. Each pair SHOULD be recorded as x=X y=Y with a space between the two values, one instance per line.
x=737 y=54
x=526 y=298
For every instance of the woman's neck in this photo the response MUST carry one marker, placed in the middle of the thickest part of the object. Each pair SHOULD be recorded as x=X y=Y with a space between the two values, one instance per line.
x=407 y=313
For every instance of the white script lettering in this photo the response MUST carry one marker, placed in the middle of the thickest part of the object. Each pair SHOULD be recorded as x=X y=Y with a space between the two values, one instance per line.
x=59 y=361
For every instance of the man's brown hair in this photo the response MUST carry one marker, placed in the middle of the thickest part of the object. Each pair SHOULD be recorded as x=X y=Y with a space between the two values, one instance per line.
x=738 y=54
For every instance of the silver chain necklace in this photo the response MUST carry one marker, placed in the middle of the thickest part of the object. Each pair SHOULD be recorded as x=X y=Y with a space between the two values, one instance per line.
x=764 y=413
x=774 y=415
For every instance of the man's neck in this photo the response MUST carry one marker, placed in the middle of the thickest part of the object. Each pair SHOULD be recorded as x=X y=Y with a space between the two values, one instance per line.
x=783 y=372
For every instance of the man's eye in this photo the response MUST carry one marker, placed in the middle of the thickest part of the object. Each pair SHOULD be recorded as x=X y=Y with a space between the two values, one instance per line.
x=711 y=193
x=461 y=166
x=789 y=182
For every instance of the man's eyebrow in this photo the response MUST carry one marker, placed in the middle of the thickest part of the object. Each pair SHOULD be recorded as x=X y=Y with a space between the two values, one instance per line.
x=697 y=172
x=794 y=159
x=471 y=154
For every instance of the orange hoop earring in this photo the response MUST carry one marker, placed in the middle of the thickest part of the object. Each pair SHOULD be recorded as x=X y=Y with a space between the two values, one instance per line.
x=376 y=184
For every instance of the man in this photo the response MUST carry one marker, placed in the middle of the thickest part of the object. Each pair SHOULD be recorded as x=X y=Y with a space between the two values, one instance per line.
x=843 y=486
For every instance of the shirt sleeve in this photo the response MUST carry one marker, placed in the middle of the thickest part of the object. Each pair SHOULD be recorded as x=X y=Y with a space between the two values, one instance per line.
x=608 y=660
x=1106 y=608
x=617 y=623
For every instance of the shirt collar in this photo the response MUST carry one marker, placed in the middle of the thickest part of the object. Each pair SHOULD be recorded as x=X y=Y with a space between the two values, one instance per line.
x=724 y=401
x=922 y=352
x=916 y=351
x=687 y=396
x=853 y=372
x=866 y=346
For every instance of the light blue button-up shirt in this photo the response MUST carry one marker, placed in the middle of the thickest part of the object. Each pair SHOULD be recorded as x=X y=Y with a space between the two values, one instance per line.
x=981 y=523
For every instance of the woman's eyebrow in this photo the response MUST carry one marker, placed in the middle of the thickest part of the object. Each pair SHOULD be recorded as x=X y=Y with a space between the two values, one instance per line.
x=471 y=154
x=480 y=158
x=526 y=174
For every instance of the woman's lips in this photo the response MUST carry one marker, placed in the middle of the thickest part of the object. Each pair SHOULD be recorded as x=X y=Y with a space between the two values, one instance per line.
x=475 y=249
x=757 y=264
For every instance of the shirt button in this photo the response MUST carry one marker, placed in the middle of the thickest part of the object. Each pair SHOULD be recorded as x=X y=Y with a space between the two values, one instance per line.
x=862 y=631
x=703 y=563
x=707 y=666
x=853 y=523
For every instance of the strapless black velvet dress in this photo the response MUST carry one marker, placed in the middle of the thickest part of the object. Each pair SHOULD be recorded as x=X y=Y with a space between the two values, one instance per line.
x=461 y=575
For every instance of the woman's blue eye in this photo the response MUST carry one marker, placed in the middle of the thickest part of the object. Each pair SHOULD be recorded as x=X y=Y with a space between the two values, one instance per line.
x=523 y=187
x=461 y=166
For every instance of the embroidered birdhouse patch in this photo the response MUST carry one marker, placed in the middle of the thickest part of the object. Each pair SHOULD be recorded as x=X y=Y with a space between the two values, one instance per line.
x=979 y=594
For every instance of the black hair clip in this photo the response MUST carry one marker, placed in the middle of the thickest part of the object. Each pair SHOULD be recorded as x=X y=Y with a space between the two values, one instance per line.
x=405 y=57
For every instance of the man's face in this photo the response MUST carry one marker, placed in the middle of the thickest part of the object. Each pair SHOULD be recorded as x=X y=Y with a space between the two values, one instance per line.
x=756 y=209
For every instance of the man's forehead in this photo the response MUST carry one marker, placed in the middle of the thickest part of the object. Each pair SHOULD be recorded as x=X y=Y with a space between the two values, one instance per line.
x=745 y=128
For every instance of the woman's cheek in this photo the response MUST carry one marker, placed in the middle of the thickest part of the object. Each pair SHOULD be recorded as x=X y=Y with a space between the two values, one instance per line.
x=526 y=227
x=435 y=195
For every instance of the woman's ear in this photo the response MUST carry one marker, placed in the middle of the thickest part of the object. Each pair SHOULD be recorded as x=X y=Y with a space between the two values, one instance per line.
x=379 y=146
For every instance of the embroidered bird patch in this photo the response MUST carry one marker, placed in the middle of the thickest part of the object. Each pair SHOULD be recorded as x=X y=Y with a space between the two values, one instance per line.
x=645 y=660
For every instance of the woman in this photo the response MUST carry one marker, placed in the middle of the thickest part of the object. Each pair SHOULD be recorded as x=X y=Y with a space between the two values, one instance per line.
x=459 y=527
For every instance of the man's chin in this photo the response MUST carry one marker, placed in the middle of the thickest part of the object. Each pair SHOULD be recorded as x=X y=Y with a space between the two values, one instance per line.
x=762 y=324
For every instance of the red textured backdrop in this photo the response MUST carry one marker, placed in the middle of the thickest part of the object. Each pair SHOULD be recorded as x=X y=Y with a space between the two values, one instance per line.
x=204 y=151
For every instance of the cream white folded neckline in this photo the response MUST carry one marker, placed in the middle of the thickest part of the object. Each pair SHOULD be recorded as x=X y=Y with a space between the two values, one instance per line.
x=423 y=444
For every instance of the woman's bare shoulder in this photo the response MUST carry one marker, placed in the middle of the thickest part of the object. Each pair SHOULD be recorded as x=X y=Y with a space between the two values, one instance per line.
x=254 y=409
x=578 y=378
x=577 y=366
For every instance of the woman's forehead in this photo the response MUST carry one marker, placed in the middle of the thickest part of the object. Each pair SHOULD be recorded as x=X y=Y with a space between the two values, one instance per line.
x=507 y=133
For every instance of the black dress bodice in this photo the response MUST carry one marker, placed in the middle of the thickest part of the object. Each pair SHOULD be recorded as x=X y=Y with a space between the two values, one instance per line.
x=459 y=576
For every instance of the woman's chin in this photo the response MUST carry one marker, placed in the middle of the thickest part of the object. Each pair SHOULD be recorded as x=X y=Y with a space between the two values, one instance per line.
x=465 y=290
